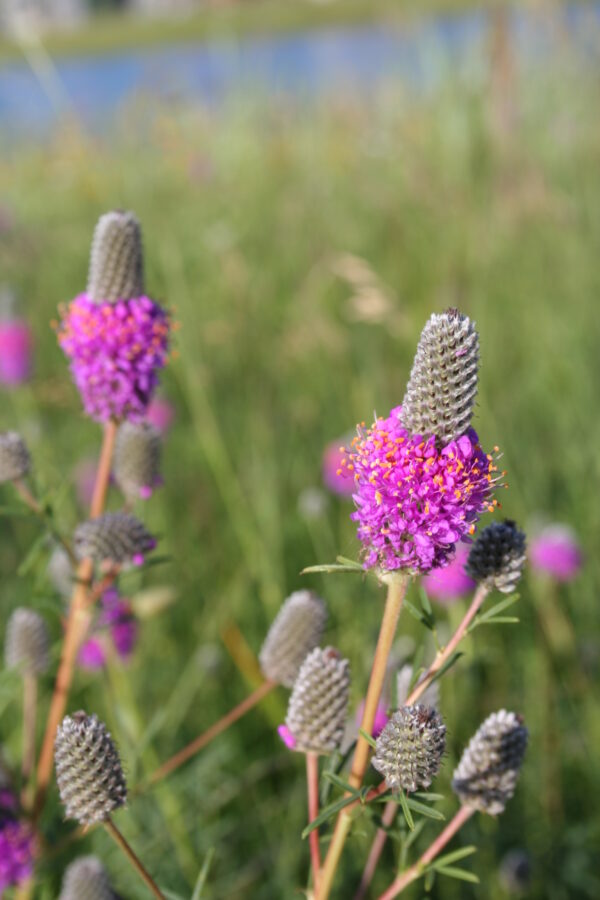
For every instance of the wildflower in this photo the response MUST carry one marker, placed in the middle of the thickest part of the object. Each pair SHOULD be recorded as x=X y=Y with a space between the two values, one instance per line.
x=17 y=846
x=556 y=552
x=137 y=460
x=88 y=769
x=86 y=879
x=451 y=582
x=336 y=476
x=60 y=571
x=16 y=348
x=380 y=721
x=296 y=630
x=487 y=774
x=410 y=748
x=160 y=414
x=497 y=557
x=421 y=477
x=15 y=460
x=115 y=336
x=27 y=642
x=117 y=538
x=316 y=716
x=115 y=626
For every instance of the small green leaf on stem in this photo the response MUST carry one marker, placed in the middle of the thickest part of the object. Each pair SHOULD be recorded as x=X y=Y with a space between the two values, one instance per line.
x=368 y=738
x=460 y=874
x=448 y=858
x=406 y=811
x=447 y=665
x=203 y=874
x=425 y=810
x=331 y=568
x=328 y=812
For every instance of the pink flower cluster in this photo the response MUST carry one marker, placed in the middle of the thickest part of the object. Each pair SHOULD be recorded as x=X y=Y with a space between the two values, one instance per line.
x=17 y=844
x=115 y=624
x=415 y=501
x=16 y=347
x=452 y=582
x=115 y=351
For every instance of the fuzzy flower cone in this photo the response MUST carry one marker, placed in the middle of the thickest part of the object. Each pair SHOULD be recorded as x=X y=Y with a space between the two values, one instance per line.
x=137 y=460
x=421 y=478
x=296 y=630
x=27 y=642
x=487 y=774
x=410 y=748
x=117 y=538
x=86 y=879
x=88 y=769
x=15 y=461
x=497 y=557
x=115 y=336
x=318 y=707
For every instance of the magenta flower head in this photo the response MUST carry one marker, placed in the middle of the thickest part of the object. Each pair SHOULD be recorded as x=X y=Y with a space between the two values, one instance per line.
x=115 y=627
x=452 y=582
x=17 y=848
x=16 y=343
x=421 y=477
x=556 y=552
x=336 y=476
x=115 y=336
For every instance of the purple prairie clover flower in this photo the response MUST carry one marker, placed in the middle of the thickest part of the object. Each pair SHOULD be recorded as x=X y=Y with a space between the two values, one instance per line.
x=415 y=500
x=160 y=414
x=381 y=718
x=556 y=552
x=16 y=348
x=17 y=848
x=115 y=627
x=452 y=582
x=115 y=351
x=336 y=477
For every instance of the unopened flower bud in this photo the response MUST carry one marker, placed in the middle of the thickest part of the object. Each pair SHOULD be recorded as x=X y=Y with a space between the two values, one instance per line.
x=410 y=748
x=114 y=537
x=296 y=630
x=317 y=711
x=116 y=260
x=27 y=643
x=15 y=461
x=137 y=460
x=497 y=557
x=86 y=879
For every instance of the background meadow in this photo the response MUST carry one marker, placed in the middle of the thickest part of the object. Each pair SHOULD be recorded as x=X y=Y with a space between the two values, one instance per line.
x=302 y=244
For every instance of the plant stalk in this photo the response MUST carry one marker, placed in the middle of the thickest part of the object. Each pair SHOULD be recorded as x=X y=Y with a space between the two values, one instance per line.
x=397 y=584
x=207 y=736
x=416 y=870
x=441 y=658
x=133 y=858
x=312 y=781
x=77 y=625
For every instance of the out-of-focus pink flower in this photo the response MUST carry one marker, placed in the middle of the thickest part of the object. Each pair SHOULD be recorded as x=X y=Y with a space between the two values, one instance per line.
x=337 y=477
x=381 y=718
x=160 y=413
x=287 y=737
x=116 y=626
x=85 y=479
x=556 y=552
x=17 y=845
x=451 y=582
x=16 y=350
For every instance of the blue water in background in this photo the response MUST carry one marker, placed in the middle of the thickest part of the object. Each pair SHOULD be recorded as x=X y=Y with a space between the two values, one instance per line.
x=311 y=64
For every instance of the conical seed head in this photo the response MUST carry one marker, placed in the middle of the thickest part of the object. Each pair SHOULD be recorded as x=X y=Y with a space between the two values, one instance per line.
x=410 y=748
x=442 y=388
x=137 y=459
x=497 y=557
x=15 y=460
x=88 y=769
x=60 y=572
x=487 y=774
x=86 y=879
x=318 y=707
x=27 y=642
x=296 y=630
x=114 y=537
x=116 y=260
x=429 y=697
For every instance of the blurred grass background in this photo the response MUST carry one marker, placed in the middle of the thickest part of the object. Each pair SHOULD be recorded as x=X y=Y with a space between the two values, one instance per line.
x=257 y=218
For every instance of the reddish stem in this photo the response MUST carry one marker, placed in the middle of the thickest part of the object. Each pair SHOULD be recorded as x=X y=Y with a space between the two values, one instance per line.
x=312 y=780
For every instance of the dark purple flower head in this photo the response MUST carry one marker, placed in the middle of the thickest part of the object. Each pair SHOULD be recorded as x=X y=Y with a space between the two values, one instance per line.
x=115 y=351
x=415 y=500
x=17 y=848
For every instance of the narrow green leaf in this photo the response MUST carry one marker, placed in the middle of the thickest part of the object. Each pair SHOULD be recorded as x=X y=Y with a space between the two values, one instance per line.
x=449 y=858
x=501 y=620
x=203 y=874
x=339 y=782
x=427 y=796
x=351 y=563
x=418 y=615
x=447 y=665
x=425 y=810
x=330 y=568
x=426 y=605
x=429 y=879
x=328 y=812
x=406 y=811
x=368 y=738
x=493 y=611
x=460 y=874
x=414 y=834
